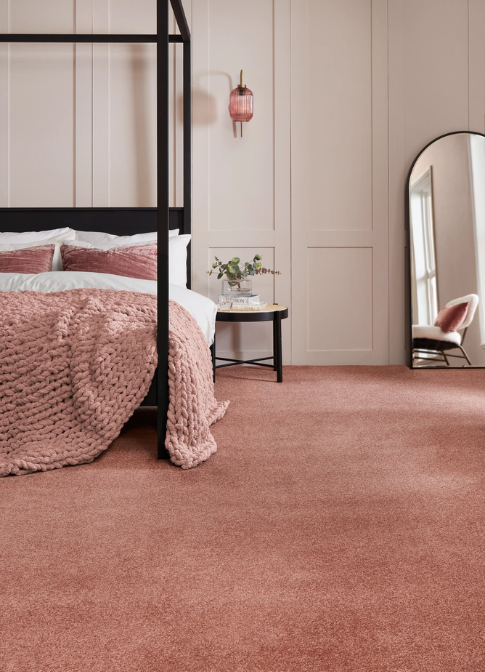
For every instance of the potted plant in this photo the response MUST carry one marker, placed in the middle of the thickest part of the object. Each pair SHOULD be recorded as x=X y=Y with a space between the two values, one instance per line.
x=237 y=280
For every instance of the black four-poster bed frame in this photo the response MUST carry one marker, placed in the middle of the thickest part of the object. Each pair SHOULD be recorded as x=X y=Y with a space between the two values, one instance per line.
x=127 y=221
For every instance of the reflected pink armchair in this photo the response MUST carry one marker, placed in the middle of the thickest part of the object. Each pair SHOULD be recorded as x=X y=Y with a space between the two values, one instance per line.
x=431 y=343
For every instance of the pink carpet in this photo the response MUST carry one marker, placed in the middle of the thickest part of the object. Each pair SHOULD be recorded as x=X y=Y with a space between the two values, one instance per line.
x=339 y=527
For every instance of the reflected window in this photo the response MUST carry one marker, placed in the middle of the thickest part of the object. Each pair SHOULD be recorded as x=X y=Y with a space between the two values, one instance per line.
x=424 y=286
x=477 y=163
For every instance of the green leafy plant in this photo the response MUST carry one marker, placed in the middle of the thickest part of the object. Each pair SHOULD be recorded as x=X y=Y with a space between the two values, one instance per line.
x=235 y=271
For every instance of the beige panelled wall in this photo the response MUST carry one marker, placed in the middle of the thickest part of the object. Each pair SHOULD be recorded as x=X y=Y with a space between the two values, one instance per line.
x=78 y=122
x=346 y=94
x=339 y=179
x=369 y=83
x=36 y=136
x=241 y=191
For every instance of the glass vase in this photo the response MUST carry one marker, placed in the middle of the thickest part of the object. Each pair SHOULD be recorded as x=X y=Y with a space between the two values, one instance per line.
x=236 y=288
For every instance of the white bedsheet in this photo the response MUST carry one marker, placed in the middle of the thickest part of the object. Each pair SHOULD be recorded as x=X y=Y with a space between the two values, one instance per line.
x=200 y=307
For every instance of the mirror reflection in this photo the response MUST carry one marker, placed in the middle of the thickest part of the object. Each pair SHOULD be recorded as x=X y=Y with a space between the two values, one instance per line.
x=447 y=253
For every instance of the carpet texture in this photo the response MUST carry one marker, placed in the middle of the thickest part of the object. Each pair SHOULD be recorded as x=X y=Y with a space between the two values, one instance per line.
x=339 y=527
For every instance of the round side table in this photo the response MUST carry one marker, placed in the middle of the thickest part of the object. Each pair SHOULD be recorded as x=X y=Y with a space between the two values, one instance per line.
x=272 y=313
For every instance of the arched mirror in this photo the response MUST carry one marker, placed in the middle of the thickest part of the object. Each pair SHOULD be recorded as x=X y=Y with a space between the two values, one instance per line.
x=446 y=217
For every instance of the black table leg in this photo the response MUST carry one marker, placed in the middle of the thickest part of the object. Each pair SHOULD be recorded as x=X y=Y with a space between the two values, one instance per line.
x=278 y=355
x=213 y=354
x=275 y=346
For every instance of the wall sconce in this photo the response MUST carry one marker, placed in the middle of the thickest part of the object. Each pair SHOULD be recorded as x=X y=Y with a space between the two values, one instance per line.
x=241 y=103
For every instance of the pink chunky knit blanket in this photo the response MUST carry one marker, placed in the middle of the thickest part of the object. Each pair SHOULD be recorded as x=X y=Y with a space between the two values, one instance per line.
x=192 y=406
x=74 y=365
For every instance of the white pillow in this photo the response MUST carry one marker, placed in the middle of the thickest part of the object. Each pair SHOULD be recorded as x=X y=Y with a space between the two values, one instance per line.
x=58 y=282
x=178 y=260
x=33 y=236
x=56 y=240
x=98 y=238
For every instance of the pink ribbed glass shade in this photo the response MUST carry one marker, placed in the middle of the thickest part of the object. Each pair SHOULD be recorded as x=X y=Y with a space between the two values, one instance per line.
x=241 y=104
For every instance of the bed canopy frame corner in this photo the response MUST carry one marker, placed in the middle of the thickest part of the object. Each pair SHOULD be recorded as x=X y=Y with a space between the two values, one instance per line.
x=126 y=221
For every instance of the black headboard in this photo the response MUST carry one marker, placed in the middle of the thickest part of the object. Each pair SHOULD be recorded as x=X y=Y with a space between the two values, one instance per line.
x=118 y=221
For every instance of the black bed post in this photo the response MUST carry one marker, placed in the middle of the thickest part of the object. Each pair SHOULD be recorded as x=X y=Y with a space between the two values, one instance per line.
x=163 y=178
x=188 y=151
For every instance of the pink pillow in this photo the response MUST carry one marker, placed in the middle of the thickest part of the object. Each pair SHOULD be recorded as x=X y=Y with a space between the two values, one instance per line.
x=137 y=261
x=451 y=318
x=27 y=260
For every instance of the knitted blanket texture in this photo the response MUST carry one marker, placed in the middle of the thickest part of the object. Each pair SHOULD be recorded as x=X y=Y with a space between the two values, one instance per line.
x=192 y=406
x=74 y=365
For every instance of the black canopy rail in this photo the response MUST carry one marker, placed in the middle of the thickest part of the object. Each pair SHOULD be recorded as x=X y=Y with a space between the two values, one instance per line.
x=90 y=38
x=162 y=39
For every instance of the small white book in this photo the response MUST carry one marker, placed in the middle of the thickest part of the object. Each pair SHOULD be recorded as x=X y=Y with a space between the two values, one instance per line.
x=244 y=300
x=250 y=306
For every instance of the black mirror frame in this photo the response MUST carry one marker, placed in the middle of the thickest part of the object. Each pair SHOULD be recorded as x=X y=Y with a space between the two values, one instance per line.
x=408 y=299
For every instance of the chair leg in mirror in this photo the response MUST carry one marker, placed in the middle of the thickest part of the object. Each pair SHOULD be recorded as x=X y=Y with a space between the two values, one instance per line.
x=423 y=358
x=466 y=356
